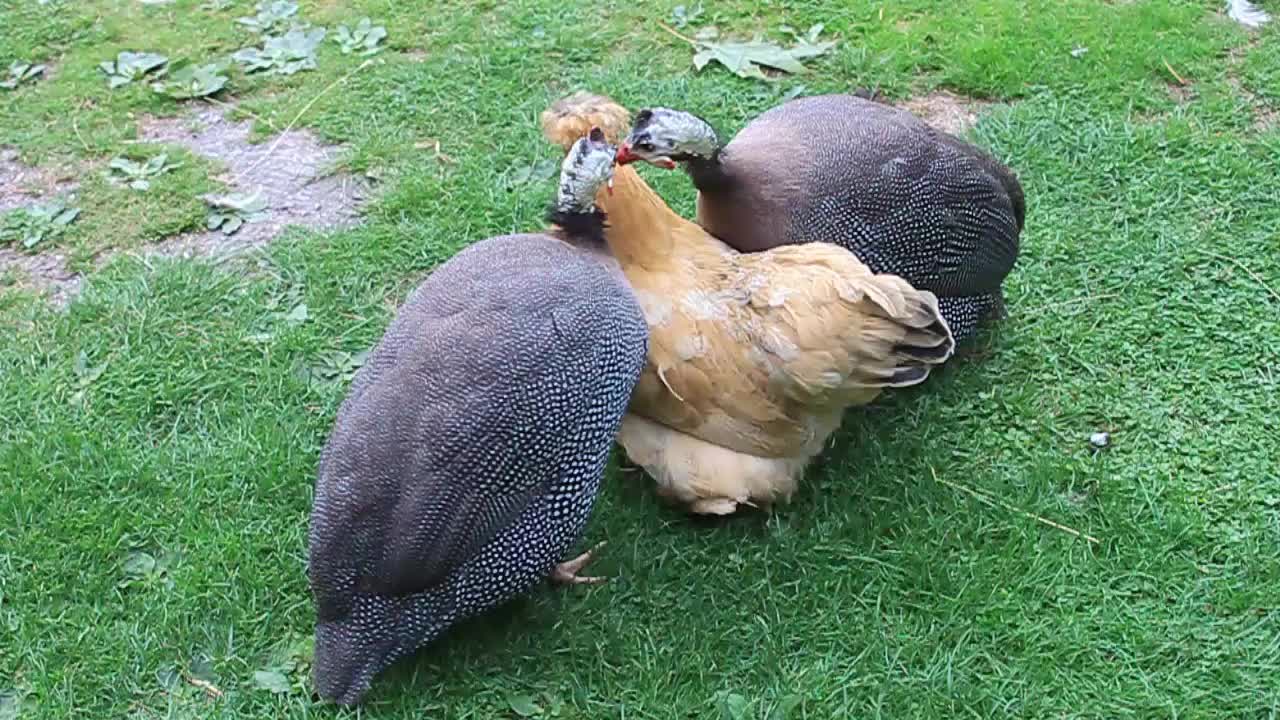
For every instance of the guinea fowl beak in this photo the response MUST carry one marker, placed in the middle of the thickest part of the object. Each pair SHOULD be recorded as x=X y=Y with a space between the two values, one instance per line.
x=625 y=156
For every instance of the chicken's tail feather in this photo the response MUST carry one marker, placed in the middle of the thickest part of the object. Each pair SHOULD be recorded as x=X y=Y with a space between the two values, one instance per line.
x=908 y=339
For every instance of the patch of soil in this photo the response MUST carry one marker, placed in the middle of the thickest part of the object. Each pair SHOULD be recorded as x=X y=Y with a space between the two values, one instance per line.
x=21 y=184
x=46 y=273
x=290 y=170
x=1266 y=119
x=1181 y=94
x=946 y=111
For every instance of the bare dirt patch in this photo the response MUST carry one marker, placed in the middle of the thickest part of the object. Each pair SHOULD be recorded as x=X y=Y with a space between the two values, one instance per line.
x=946 y=111
x=1181 y=94
x=21 y=184
x=292 y=171
x=1266 y=119
x=46 y=273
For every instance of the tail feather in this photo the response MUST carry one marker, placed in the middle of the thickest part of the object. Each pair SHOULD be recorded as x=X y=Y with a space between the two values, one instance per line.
x=909 y=339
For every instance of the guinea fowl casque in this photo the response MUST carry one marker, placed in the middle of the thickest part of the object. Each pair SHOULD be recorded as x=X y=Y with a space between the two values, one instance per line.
x=752 y=357
x=466 y=458
x=907 y=199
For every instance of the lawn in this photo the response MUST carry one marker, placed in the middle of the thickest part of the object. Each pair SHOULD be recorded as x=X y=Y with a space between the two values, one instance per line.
x=962 y=551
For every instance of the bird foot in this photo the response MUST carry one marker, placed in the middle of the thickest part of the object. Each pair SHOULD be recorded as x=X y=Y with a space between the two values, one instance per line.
x=567 y=571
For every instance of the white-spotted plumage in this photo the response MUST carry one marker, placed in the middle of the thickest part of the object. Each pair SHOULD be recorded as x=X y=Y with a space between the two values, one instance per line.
x=905 y=198
x=468 y=453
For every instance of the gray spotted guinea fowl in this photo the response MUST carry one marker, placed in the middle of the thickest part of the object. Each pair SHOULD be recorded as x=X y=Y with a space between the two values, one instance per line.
x=905 y=198
x=466 y=457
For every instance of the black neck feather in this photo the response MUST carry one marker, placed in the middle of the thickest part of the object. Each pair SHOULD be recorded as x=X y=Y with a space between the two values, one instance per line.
x=578 y=227
x=708 y=174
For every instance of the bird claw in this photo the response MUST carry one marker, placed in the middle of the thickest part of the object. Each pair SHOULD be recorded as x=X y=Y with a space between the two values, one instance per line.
x=567 y=571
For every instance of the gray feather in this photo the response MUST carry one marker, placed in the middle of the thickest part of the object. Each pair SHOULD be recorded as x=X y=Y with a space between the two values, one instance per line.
x=466 y=458
x=905 y=198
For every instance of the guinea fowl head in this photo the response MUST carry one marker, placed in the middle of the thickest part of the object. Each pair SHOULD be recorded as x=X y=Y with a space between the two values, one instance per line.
x=664 y=137
x=587 y=166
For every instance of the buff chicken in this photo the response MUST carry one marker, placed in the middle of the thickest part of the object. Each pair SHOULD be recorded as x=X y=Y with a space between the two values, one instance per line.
x=753 y=357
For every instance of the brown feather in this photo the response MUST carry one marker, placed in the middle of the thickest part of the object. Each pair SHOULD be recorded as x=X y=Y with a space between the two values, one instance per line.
x=752 y=357
x=572 y=117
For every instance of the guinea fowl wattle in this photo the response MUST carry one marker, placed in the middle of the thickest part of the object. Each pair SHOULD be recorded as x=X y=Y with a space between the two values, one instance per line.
x=467 y=456
x=905 y=198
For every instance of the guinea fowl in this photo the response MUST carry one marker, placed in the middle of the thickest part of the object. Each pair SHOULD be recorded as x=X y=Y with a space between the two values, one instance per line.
x=753 y=357
x=466 y=458
x=905 y=198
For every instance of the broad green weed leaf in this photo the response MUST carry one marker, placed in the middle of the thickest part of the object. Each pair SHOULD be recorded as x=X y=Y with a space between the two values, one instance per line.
x=189 y=81
x=270 y=16
x=139 y=564
x=785 y=707
x=363 y=38
x=297 y=315
x=272 y=680
x=733 y=706
x=130 y=66
x=285 y=54
x=524 y=706
x=21 y=72
x=748 y=59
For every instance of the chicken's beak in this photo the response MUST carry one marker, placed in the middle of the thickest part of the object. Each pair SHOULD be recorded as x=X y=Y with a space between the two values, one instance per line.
x=625 y=156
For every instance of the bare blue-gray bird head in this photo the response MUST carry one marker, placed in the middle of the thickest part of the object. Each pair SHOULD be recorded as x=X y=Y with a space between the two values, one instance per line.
x=587 y=166
x=664 y=137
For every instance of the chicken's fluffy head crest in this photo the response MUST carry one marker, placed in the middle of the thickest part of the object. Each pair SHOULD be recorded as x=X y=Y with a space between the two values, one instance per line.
x=572 y=117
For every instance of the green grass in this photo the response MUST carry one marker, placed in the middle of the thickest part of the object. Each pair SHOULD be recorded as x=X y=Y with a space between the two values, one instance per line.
x=1140 y=306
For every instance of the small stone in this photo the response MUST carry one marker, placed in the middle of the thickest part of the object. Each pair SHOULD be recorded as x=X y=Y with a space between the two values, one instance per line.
x=1100 y=439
